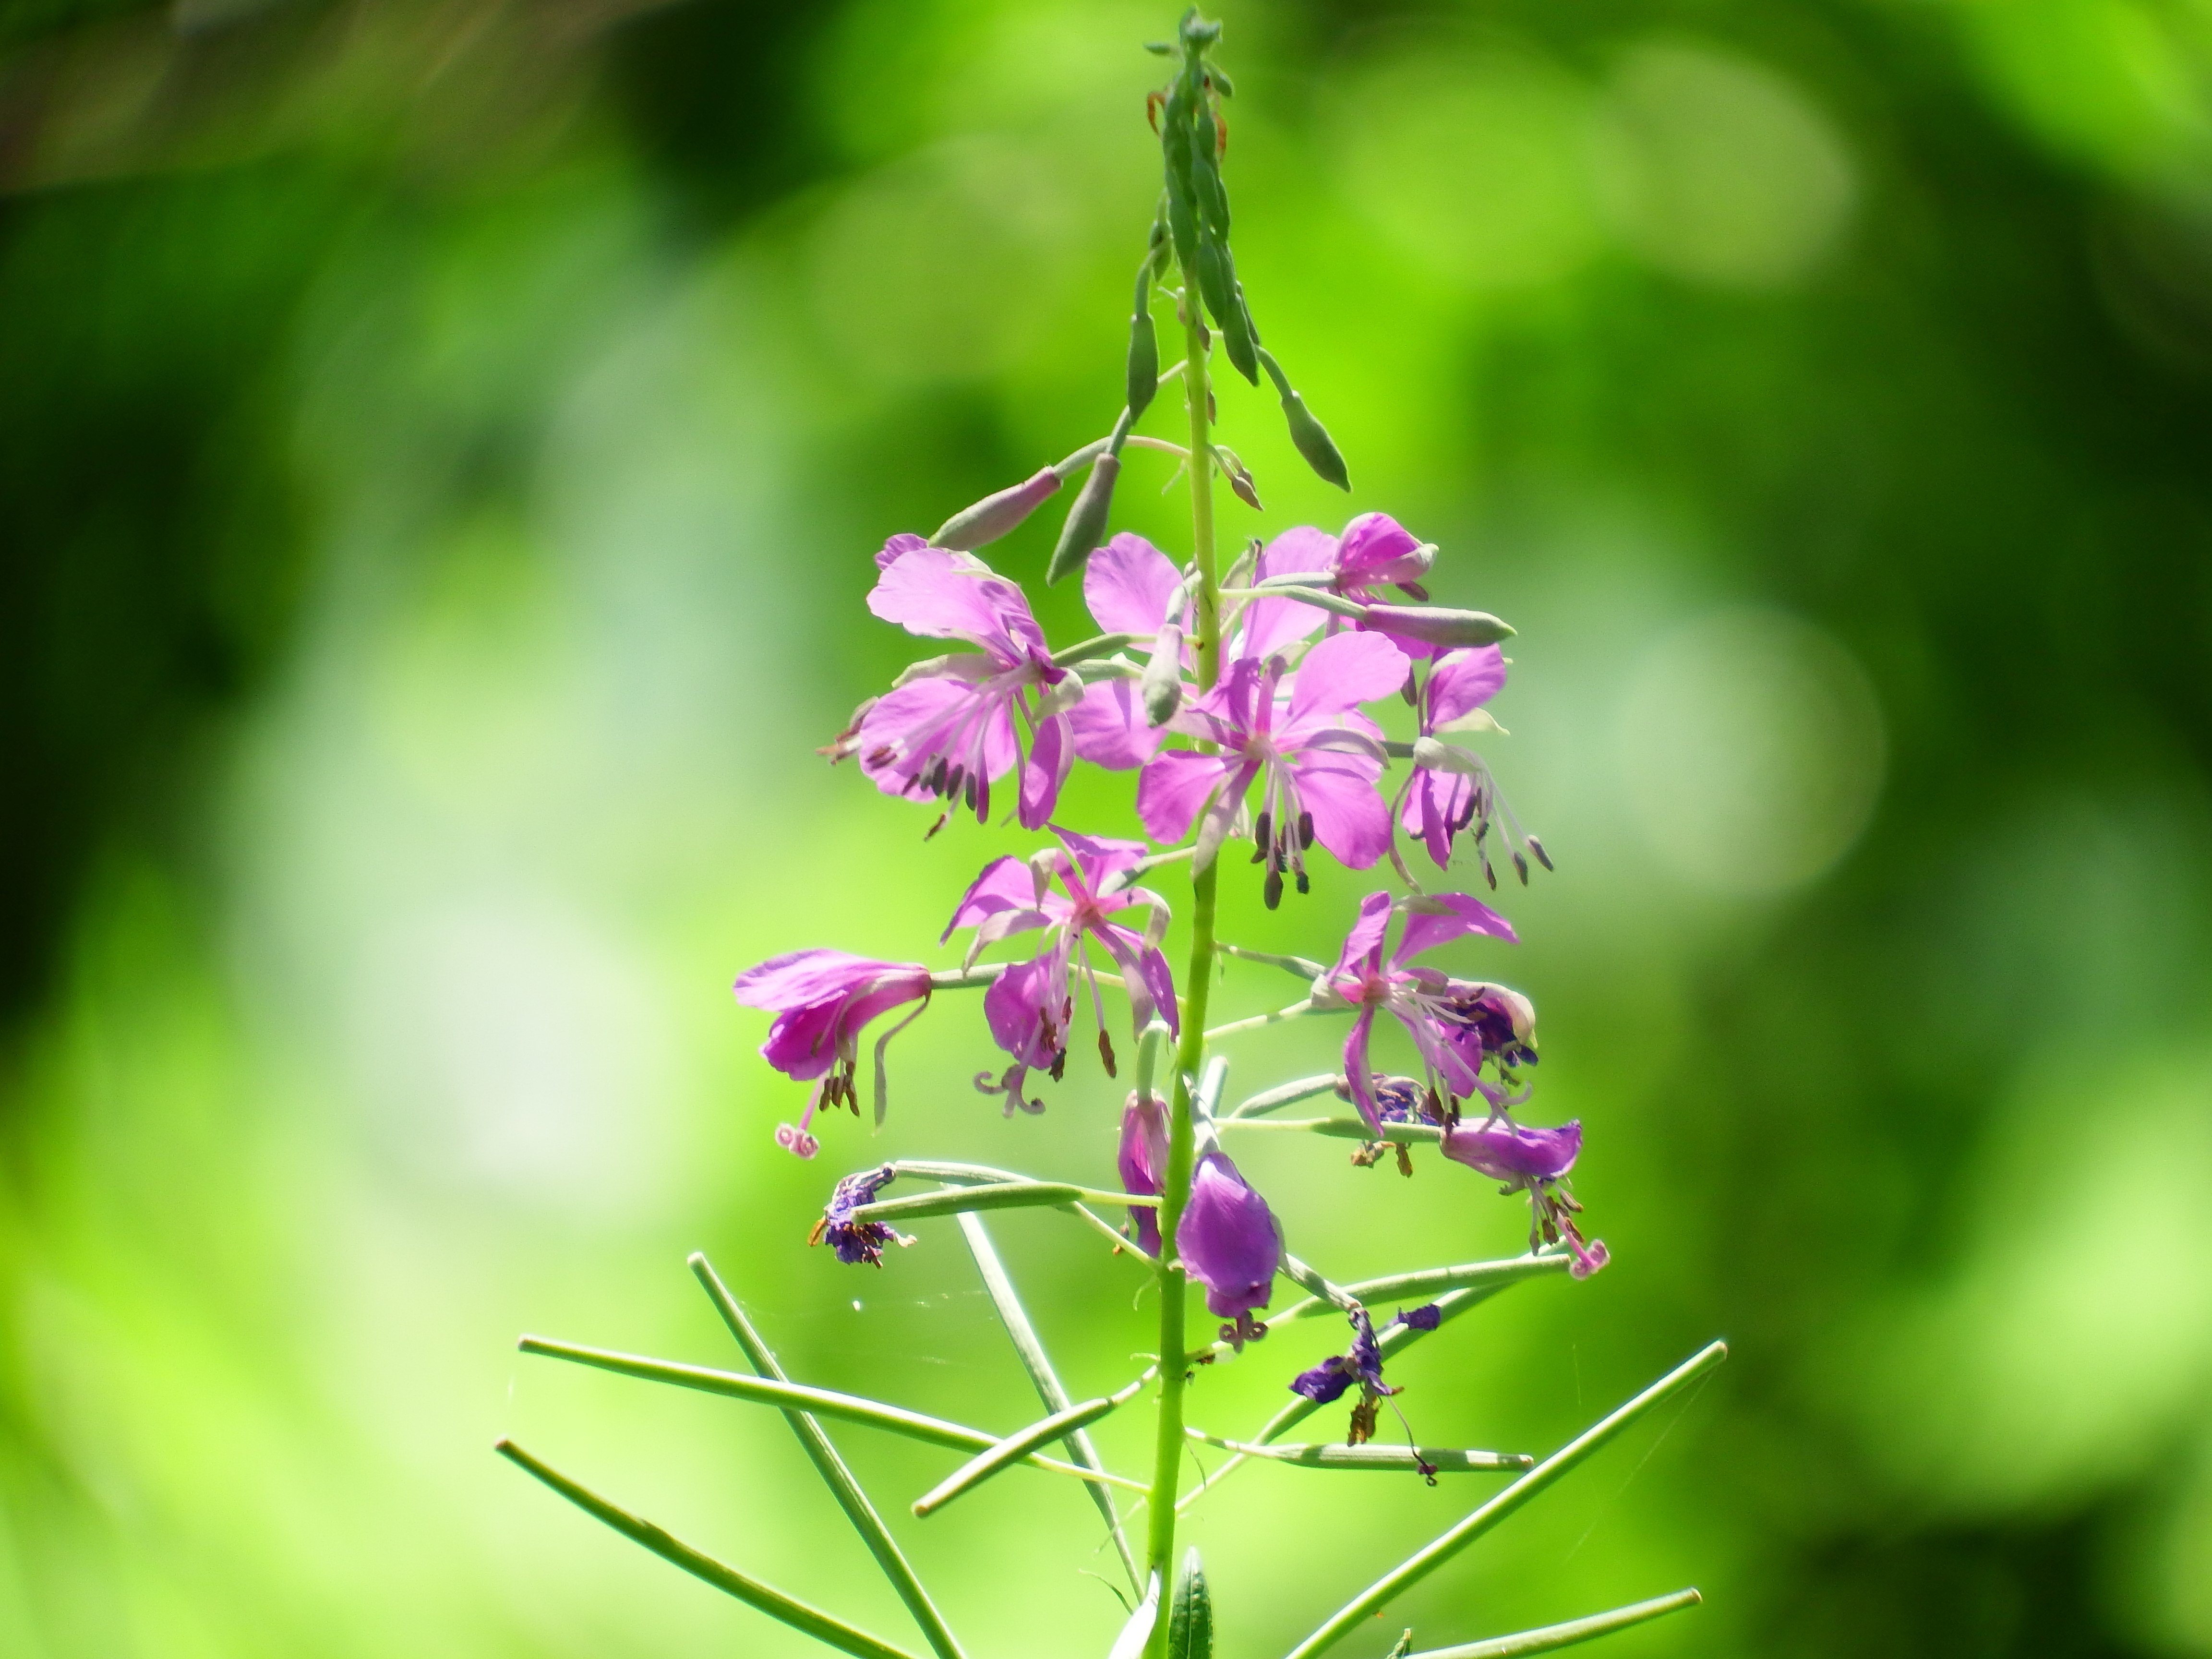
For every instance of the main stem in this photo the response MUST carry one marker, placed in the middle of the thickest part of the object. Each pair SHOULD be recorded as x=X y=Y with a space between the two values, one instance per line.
x=1168 y=1451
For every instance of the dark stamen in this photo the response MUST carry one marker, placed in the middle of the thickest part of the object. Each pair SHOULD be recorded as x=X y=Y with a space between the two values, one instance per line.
x=1106 y=1052
x=1305 y=829
x=1273 y=891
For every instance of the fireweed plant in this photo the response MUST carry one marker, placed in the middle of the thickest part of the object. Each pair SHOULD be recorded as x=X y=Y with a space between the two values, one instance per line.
x=1239 y=697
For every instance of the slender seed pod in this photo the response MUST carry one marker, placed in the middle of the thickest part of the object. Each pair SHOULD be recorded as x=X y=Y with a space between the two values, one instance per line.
x=1434 y=624
x=995 y=515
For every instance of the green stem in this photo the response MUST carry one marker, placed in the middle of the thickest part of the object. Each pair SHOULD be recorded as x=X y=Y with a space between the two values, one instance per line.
x=1168 y=1443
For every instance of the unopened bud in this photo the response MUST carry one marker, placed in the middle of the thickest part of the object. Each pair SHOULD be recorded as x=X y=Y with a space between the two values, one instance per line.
x=1143 y=354
x=1162 y=684
x=1314 y=442
x=995 y=515
x=1436 y=625
x=1086 y=521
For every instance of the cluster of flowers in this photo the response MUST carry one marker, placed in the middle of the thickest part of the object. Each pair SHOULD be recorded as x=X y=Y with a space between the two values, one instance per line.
x=1284 y=755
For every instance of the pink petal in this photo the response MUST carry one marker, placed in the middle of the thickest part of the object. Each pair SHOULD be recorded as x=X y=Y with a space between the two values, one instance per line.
x=1027 y=1008
x=1460 y=681
x=1378 y=548
x=1344 y=671
x=1349 y=817
x=1109 y=725
x=1052 y=752
x=905 y=541
x=1127 y=585
x=1006 y=883
x=1431 y=804
x=956 y=596
x=1444 y=916
x=1363 y=945
x=1174 y=786
x=1356 y=1073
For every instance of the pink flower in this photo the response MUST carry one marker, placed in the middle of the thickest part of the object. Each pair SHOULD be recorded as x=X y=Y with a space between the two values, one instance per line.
x=1317 y=757
x=1450 y=787
x=1535 y=1161
x=822 y=999
x=952 y=726
x=1375 y=552
x=1456 y=1024
x=1031 y=1005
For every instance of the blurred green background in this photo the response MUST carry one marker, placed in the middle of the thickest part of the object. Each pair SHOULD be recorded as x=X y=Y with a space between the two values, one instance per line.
x=440 y=445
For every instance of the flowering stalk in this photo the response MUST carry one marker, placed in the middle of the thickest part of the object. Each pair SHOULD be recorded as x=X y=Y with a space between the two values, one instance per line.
x=1258 y=721
x=1175 y=1193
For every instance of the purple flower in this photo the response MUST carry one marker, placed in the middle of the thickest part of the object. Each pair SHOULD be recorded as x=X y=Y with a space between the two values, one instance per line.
x=1327 y=1381
x=1375 y=552
x=1534 y=1161
x=1230 y=1242
x=1317 y=759
x=1143 y=1159
x=857 y=1242
x=1031 y=1005
x=1456 y=1024
x=1427 y=1317
x=822 y=999
x=1451 y=786
x=952 y=726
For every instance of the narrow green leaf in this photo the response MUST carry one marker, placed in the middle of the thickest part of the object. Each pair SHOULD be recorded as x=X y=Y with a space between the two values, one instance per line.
x=1190 y=1614
x=835 y=1473
x=1007 y=1302
x=786 y=1396
x=1139 y=1629
x=1378 y=1459
x=1426 y=1560
x=1566 y=1635
x=999 y=1195
x=1015 y=1447
x=823 y=1627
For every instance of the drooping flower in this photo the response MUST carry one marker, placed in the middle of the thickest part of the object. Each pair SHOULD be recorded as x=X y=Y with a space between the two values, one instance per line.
x=1457 y=1024
x=1536 y=1162
x=1328 y=1381
x=1451 y=786
x=1073 y=892
x=822 y=999
x=1375 y=552
x=952 y=726
x=1143 y=1161
x=1232 y=1243
x=857 y=1242
x=1316 y=756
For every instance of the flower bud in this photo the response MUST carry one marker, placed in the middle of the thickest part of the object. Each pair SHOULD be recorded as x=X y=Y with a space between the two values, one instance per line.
x=1162 y=684
x=1143 y=1161
x=1436 y=625
x=995 y=515
x=1314 y=442
x=1143 y=352
x=1086 y=521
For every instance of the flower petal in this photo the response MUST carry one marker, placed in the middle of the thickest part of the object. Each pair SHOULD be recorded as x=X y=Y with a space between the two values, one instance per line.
x=1127 y=584
x=1343 y=672
x=1005 y=883
x=956 y=596
x=1444 y=916
x=1111 y=729
x=1350 y=818
x=1460 y=681
x=1051 y=753
x=1175 y=785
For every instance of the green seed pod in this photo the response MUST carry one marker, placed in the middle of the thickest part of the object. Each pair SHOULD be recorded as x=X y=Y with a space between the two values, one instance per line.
x=1314 y=442
x=1215 y=284
x=1190 y=1615
x=1086 y=521
x=1238 y=340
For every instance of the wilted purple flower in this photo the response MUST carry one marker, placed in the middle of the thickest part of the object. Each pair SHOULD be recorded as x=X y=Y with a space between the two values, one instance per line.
x=822 y=999
x=1317 y=755
x=949 y=728
x=1364 y=1364
x=1031 y=1005
x=1230 y=1242
x=1427 y=1317
x=1456 y=1024
x=857 y=1242
x=1143 y=1160
x=1534 y=1161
